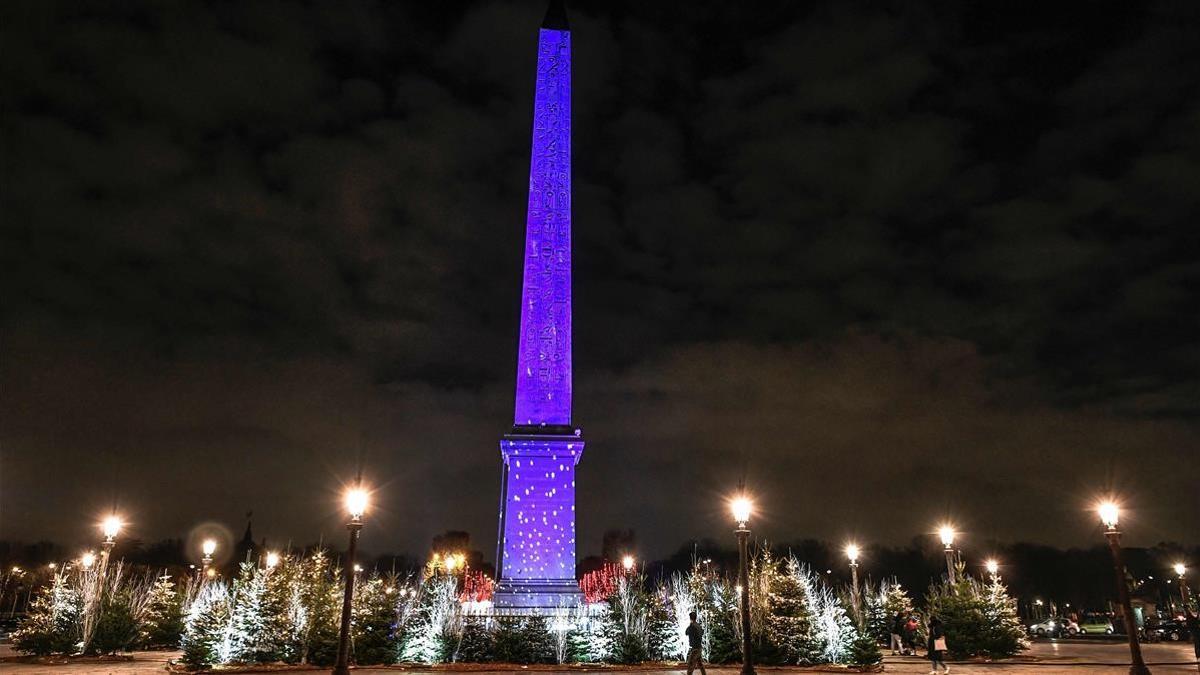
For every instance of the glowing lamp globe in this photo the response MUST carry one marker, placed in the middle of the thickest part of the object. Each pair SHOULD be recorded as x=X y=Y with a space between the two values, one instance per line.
x=627 y=563
x=852 y=552
x=1109 y=514
x=992 y=566
x=356 y=502
x=1180 y=568
x=111 y=527
x=741 y=507
x=946 y=534
x=209 y=546
x=87 y=559
x=272 y=560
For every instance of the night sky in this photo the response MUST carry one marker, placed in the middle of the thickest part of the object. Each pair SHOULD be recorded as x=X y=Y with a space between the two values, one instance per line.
x=890 y=262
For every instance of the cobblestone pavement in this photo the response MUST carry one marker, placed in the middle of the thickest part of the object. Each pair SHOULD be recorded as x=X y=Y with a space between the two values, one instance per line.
x=1045 y=658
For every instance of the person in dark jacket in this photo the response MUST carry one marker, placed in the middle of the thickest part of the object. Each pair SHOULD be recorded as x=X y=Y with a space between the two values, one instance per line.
x=1193 y=626
x=936 y=645
x=897 y=631
x=695 y=636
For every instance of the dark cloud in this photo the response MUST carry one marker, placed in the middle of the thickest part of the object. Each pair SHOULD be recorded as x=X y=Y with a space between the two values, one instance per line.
x=939 y=258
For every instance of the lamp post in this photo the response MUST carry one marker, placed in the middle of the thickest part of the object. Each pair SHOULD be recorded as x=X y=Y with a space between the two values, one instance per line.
x=627 y=563
x=946 y=534
x=852 y=554
x=1109 y=513
x=741 y=507
x=208 y=548
x=272 y=560
x=1181 y=570
x=356 y=506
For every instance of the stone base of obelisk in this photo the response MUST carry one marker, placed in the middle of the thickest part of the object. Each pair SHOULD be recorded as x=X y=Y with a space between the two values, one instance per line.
x=535 y=596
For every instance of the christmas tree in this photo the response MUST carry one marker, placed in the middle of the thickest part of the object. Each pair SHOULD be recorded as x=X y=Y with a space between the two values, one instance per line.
x=321 y=602
x=1005 y=635
x=204 y=637
x=52 y=625
x=834 y=631
x=864 y=650
x=624 y=626
x=283 y=611
x=789 y=622
x=720 y=628
x=507 y=637
x=881 y=607
x=162 y=619
x=116 y=627
x=427 y=634
x=477 y=644
x=662 y=635
x=536 y=640
x=248 y=639
x=374 y=618
x=978 y=620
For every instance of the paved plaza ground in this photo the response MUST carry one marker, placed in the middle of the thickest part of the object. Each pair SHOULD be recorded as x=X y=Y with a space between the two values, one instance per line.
x=1044 y=658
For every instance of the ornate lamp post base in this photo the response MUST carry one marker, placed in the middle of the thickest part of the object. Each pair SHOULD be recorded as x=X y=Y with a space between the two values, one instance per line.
x=1137 y=665
x=343 y=654
x=743 y=534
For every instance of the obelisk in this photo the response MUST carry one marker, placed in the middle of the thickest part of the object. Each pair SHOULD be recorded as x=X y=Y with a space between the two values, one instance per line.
x=535 y=558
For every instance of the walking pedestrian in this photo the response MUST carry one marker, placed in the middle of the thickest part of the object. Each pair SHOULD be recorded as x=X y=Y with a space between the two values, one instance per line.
x=897 y=633
x=695 y=636
x=1193 y=626
x=937 y=646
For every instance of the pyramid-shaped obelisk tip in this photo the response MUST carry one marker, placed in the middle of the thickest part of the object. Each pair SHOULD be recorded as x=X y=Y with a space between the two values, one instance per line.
x=556 y=16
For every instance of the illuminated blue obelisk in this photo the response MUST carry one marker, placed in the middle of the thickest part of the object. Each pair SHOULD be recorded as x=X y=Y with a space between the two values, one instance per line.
x=536 y=549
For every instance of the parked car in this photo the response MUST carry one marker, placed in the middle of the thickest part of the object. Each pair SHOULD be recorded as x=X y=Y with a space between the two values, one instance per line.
x=1173 y=630
x=1055 y=626
x=1096 y=625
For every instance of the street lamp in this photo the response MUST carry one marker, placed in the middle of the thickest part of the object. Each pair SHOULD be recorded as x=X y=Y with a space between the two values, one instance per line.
x=272 y=560
x=993 y=568
x=87 y=560
x=742 y=507
x=110 y=527
x=627 y=562
x=1109 y=513
x=852 y=554
x=946 y=534
x=208 y=548
x=356 y=500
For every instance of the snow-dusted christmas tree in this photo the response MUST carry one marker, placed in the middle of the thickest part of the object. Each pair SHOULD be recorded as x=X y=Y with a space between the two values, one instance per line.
x=283 y=610
x=1006 y=634
x=206 y=630
x=161 y=623
x=248 y=639
x=427 y=627
x=789 y=615
x=53 y=624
